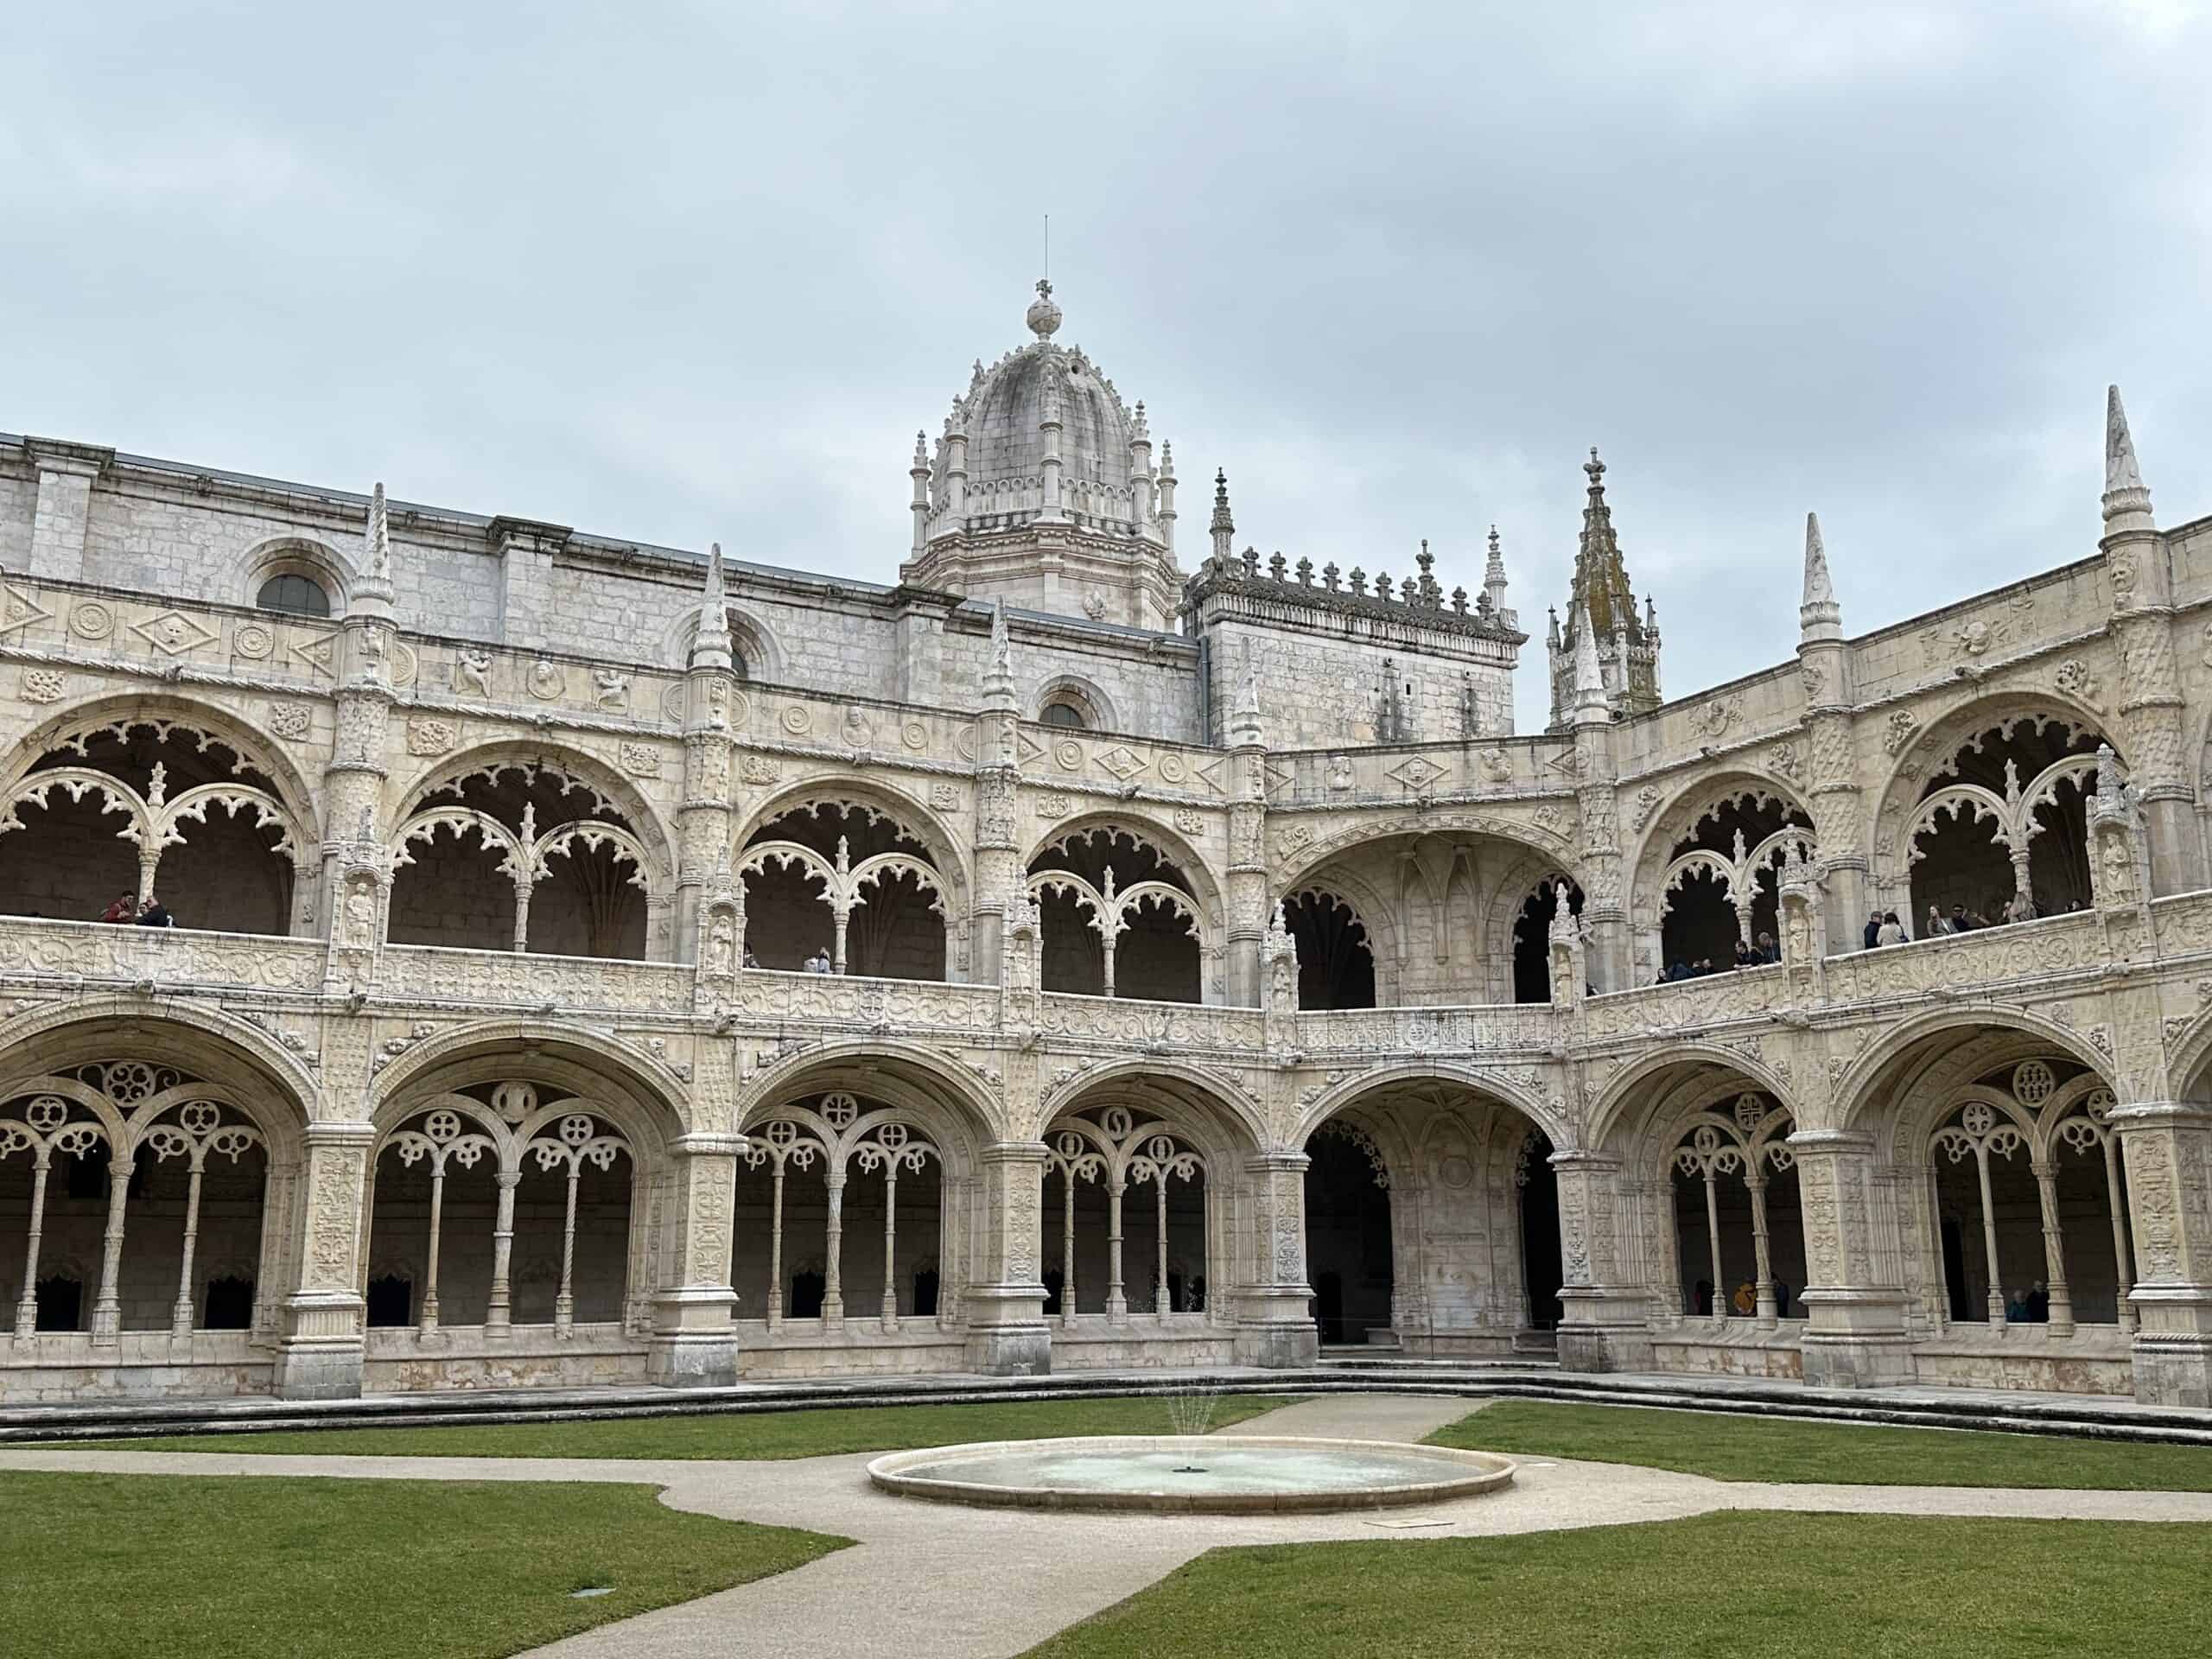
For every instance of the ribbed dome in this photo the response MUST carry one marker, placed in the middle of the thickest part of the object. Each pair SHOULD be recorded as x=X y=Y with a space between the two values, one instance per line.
x=1003 y=411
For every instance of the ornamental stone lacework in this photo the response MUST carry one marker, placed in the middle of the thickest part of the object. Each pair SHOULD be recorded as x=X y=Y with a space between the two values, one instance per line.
x=105 y=1125
x=511 y=1135
x=1116 y=1149
x=838 y=1138
x=485 y=1050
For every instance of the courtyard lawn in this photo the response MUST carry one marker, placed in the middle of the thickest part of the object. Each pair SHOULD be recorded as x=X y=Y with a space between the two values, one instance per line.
x=239 y=1567
x=807 y=1433
x=1731 y=1447
x=1859 y=1587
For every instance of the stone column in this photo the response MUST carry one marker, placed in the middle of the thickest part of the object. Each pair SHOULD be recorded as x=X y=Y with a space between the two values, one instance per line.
x=2166 y=1146
x=318 y=1343
x=1248 y=854
x=356 y=878
x=694 y=1343
x=1275 y=1321
x=702 y=821
x=1855 y=1331
x=1605 y=911
x=1004 y=1301
x=1606 y=1323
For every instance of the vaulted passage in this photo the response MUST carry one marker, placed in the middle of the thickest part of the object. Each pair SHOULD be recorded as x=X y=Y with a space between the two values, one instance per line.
x=1718 y=891
x=1335 y=964
x=1432 y=1217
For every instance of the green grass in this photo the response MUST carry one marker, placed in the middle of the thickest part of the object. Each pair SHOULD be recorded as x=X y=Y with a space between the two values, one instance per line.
x=244 y=1567
x=1730 y=1447
x=811 y=1434
x=1734 y=1583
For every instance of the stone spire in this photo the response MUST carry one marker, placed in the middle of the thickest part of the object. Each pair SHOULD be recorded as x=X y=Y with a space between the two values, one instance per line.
x=2127 y=502
x=1494 y=576
x=375 y=584
x=998 y=678
x=920 y=472
x=710 y=645
x=1819 y=616
x=1602 y=602
x=1167 y=496
x=1589 y=679
x=1244 y=727
x=1224 y=527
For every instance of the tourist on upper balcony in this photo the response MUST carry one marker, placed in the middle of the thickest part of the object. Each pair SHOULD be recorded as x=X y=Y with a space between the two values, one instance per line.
x=819 y=963
x=1746 y=956
x=156 y=914
x=1964 y=920
x=1873 y=929
x=1768 y=950
x=124 y=909
x=1892 y=931
x=2021 y=909
x=1937 y=925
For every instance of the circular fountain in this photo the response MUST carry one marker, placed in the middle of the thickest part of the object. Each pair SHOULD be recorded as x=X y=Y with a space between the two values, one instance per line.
x=1214 y=1474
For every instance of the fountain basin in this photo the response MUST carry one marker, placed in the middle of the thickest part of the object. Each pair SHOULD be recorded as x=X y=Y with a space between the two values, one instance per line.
x=1213 y=1474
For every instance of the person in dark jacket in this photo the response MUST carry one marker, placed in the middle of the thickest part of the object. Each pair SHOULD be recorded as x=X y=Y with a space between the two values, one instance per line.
x=156 y=914
x=1873 y=929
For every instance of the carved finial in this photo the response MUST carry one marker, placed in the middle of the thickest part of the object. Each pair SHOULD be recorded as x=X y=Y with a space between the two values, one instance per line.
x=379 y=537
x=710 y=645
x=2127 y=502
x=1224 y=527
x=921 y=451
x=1043 y=316
x=1494 y=574
x=998 y=673
x=1589 y=678
x=1595 y=469
x=1244 y=727
x=1140 y=431
x=1563 y=929
x=2109 y=797
x=1819 y=616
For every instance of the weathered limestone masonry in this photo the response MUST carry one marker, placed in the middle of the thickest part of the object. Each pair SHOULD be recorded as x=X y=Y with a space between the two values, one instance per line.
x=598 y=962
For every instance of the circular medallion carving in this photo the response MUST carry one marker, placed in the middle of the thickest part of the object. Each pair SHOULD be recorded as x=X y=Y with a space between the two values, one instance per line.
x=93 y=620
x=1455 y=1171
x=250 y=638
x=1173 y=771
x=797 y=719
x=546 y=681
x=1067 y=755
x=914 y=735
x=2032 y=1083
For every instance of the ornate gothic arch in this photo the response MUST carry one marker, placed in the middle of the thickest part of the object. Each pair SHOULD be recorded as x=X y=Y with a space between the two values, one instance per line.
x=878 y=800
x=1224 y=1124
x=963 y=1113
x=1299 y=861
x=1910 y=1063
x=1927 y=750
x=1618 y=1116
x=1654 y=860
x=642 y=1094
x=248 y=743
x=1550 y=1115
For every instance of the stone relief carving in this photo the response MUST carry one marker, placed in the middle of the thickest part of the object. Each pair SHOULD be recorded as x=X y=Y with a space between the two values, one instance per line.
x=640 y=759
x=42 y=685
x=472 y=672
x=1902 y=728
x=290 y=720
x=611 y=689
x=430 y=735
x=546 y=681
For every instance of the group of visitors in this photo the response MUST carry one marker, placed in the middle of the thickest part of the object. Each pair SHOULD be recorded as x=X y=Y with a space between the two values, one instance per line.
x=2029 y=1306
x=152 y=913
x=1883 y=926
x=819 y=963
x=1760 y=955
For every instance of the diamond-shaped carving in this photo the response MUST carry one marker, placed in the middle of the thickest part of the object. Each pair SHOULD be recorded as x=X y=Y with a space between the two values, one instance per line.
x=1208 y=773
x=173 y=633
x=316 y=651
x=1122 y=763
x=1416 y=772
x=19 y=609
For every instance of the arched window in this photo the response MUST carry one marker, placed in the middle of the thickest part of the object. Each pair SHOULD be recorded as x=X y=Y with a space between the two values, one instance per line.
x=1064 y=714
x=296 y=596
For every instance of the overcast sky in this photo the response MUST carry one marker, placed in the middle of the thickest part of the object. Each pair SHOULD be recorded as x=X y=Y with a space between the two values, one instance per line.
x=679 y=274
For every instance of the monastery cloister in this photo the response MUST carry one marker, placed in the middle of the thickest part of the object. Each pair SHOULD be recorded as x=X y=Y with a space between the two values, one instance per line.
x=807 y=978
